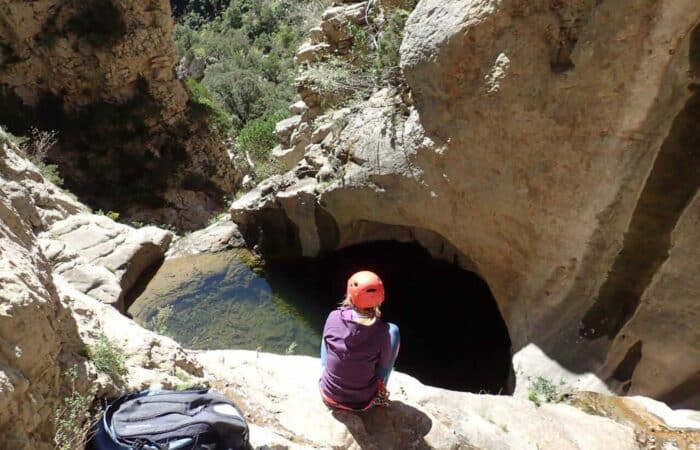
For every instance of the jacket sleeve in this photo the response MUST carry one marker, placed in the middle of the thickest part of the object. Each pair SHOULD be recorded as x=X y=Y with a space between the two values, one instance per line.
x=323 y=342
x=385 y=357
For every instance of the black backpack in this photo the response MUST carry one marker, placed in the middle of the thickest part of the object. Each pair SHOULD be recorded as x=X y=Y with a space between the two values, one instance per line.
x=171 y=420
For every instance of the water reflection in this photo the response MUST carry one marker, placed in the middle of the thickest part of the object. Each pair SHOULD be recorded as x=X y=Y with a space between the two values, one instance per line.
x=219 y=302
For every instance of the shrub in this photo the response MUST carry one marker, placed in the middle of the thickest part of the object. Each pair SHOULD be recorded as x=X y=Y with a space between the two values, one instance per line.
x=75 y=417
x=257 y=137
x=159 y=323
x=386 y=63
x=50 y=172
x=39 y=143
x=336 y=82
x=201 y=101
x=36 y=148
x=108 y=357
x=238 y=89
x=543 y=390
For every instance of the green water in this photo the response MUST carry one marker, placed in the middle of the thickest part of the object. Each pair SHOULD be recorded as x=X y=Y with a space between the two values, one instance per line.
x=219 y=302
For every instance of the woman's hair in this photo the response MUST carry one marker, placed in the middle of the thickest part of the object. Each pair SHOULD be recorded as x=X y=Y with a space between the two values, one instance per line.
x=369 y=312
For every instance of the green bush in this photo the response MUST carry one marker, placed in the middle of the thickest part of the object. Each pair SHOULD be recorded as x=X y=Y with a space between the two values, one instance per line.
x=74 y=417
x=253 y=43
x=50 y=172
x=257 y=137
x=159 y=323
x=386 y=63
x=376 y=51
x=201 y=101
x=108 y=357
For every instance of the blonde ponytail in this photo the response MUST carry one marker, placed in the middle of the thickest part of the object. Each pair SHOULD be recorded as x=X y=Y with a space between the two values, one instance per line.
x=372 y=313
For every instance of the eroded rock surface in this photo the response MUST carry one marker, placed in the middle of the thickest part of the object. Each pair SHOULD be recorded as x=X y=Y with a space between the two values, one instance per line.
x=35 y=330
x=100 y=257
x=548 y=148
x=280 y=396
x=217 y=237
x=46 y=322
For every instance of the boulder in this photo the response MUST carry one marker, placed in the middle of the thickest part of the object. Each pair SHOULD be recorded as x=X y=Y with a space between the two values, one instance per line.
x=217 y=237
x=288 y=157
x=100 y=257
x=192 y=66
x=311 y=53
x=336 y=21
x=298 y=108
x=36 y=332
x=316 y=35
x=284 y=129
x=47 y=323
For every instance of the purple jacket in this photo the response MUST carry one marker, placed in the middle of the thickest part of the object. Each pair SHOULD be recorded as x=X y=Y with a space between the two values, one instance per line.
x=354 y=352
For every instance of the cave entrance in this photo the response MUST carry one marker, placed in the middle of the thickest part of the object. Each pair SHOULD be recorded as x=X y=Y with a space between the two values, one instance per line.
x=452 y=333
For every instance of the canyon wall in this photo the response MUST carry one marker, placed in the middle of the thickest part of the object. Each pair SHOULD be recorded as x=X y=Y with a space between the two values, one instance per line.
x=101 y=73
x=59 y=265
x=550 y=147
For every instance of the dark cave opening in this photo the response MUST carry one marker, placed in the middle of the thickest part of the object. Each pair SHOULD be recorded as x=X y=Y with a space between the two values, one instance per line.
x=452 y=333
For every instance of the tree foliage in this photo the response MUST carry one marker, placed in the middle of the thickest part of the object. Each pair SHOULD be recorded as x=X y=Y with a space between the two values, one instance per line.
x=250 y=46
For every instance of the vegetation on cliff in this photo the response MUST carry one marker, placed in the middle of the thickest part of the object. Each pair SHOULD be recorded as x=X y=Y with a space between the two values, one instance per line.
x=249 y=48
x=372 y=61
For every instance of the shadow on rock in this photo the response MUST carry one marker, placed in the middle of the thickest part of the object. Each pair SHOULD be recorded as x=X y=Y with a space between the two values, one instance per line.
x=397 y=426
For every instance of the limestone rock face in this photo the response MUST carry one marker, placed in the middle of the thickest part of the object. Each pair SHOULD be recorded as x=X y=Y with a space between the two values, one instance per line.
x=47 y=321
x=550 y=148
x=34 y=328
x=100 y=257
x=101 y=73
x=152 y=361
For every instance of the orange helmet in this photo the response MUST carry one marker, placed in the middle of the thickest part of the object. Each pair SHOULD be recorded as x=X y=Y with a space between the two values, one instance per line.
x=365 y=289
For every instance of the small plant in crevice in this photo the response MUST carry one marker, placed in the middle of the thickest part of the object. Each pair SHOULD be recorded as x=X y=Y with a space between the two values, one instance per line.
x=114 y=215
x=108 y=357
x=74 y=417
x=543 y=390
x=291 y=348
x=36 y=148
x=187 y=381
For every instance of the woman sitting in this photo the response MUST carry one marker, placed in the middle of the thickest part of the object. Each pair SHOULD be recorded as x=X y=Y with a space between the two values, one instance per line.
x=358 y=349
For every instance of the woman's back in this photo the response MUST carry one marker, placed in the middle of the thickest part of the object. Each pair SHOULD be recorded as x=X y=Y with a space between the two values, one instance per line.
x=353 y=354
